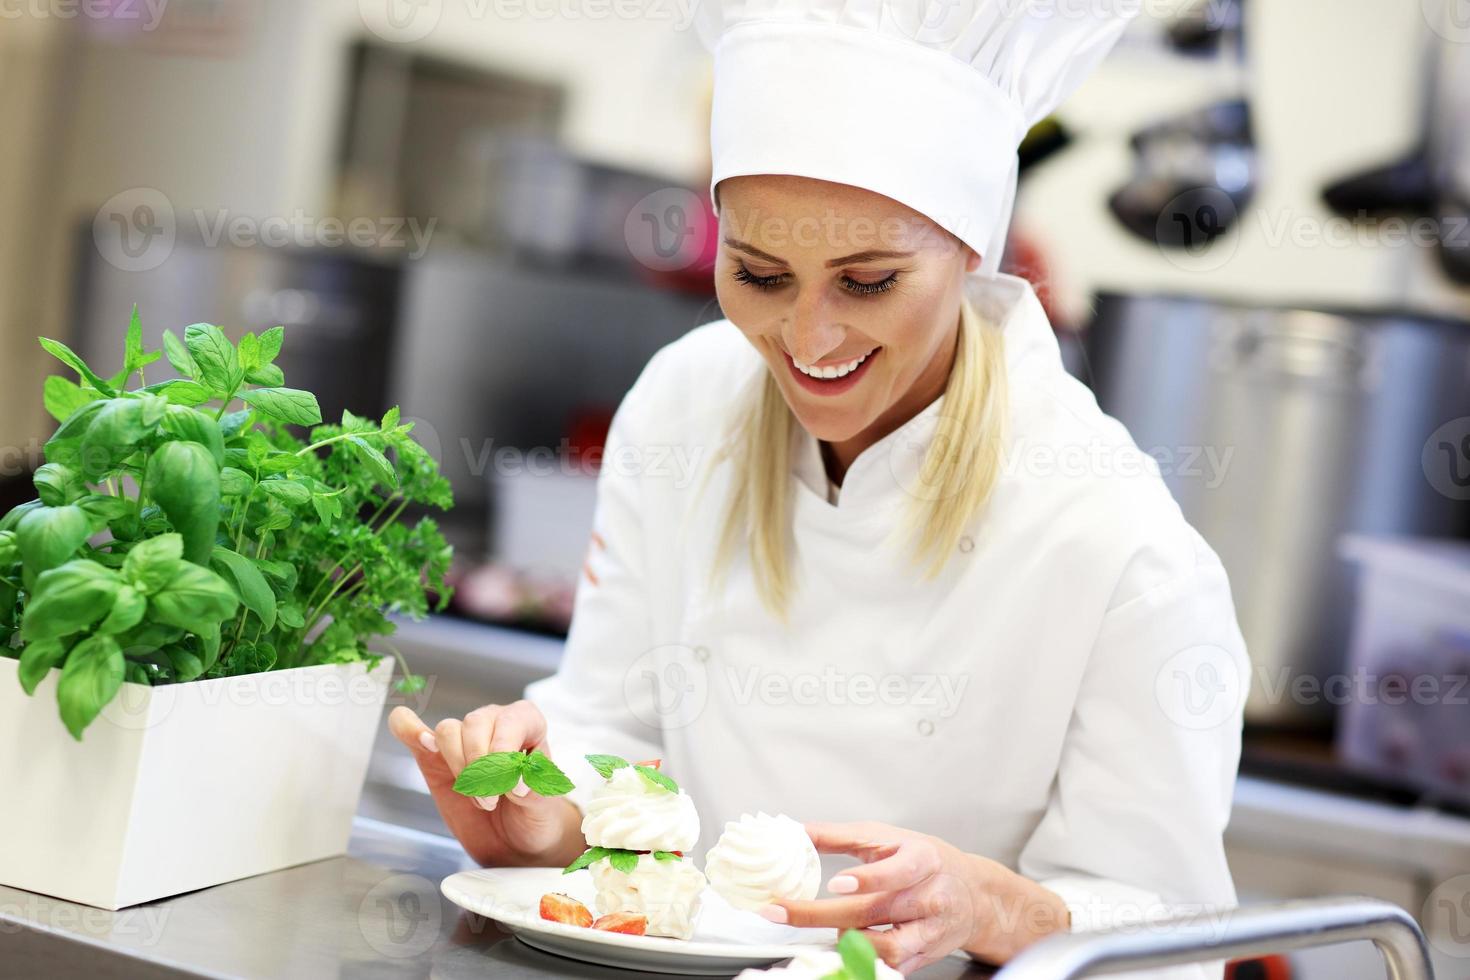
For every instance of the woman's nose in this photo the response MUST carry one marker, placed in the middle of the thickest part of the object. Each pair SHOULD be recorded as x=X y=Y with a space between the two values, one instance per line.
x=812 y=334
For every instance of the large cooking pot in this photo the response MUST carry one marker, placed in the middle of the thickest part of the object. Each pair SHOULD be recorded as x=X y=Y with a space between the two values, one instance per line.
x=1278 y=430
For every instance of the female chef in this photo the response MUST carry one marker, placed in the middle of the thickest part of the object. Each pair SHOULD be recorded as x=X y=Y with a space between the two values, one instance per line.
x=918 y=592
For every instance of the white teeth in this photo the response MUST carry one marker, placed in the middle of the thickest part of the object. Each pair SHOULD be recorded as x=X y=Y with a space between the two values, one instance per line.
x=830 y=370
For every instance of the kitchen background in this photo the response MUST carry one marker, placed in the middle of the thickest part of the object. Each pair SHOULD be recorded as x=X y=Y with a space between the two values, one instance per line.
x=1252 y=229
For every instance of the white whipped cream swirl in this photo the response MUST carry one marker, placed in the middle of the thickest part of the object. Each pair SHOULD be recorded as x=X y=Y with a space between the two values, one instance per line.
x=629 y=812
x=815 y=965
x=761 y=859
x=666 y=893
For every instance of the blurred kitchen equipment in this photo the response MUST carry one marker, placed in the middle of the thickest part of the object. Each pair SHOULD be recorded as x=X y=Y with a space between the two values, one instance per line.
x=1203 y=27
x=338 y=306
x=1192 y=177
x=1407 y=721
x=1278 y=430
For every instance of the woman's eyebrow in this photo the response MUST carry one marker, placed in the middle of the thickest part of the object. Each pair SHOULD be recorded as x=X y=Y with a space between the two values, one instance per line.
x=866 y=256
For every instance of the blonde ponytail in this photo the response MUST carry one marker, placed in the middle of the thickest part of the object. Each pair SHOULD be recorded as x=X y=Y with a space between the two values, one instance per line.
x=956 y=475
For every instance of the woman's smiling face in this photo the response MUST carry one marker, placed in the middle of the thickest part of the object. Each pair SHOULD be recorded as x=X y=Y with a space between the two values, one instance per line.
x=852 y=298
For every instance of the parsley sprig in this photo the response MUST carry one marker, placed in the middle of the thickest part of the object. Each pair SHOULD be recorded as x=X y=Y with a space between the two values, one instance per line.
x=621 y=859
x=606 y=765
x=498 y=773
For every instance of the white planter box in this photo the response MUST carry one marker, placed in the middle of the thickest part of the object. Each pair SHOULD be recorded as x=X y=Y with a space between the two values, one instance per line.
x=183 y=786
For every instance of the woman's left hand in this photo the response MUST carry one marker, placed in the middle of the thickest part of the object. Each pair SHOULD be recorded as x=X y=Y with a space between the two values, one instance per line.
x=937 y=898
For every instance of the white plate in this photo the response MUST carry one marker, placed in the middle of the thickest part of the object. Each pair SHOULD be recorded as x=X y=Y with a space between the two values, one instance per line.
x=726 y=940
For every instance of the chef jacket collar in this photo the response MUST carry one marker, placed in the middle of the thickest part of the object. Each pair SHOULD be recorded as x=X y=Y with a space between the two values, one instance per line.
x=887 y=473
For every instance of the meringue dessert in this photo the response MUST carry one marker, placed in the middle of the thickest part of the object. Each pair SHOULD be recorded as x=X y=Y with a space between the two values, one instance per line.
x=638 y=824
x=762 y=859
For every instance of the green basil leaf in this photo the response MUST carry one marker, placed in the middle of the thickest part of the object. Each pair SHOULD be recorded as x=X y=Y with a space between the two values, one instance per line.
x=216 y=358
x=128 y=607
x=9 y=550
x=148 y=639
x=254 y=591
x=62 y=397
x=68 y=599
x=289 y=615
x=49 y=536
x=67 y=356
x=57 y=485
x=136 y=673
x=606 y=764
x=116 y=431
x=103 y=509
x=624 y=861
x=586 y=858
x=150 y=562
x=267 y=374
x=375 y=461
x=270 y=344
x=178 y=355
x=185 y=665
x=490 y=775
x=543 y=776
x=10 y=520
x=193 y=598
x=289 y=405
x=234 y=482
x=209 y=643
x=657 y=778
x=36 y=660
x=183 y=479
x=192 y=425
x=91 y=678
x=65 y=444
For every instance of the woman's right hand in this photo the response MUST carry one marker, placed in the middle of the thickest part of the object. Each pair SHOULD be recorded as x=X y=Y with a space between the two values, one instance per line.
x=520 y=828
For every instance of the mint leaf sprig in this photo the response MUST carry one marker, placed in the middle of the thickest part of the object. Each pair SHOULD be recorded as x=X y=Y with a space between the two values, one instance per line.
x=859 y=958
x=606 y=765
x=620 y=858
x=498 y=773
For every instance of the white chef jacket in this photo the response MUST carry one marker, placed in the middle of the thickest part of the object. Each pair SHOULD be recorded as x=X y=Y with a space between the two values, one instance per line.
x=1065 y=697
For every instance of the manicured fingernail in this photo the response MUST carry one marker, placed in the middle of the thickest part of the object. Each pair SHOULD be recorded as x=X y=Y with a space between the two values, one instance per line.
x=909 y=965
x=843 y=885
x=427 y=740
x=522 y=789
x=487 y=802
x=773 y=913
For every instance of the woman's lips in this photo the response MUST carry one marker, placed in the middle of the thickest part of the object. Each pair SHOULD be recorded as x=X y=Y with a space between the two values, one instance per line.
x=830 y=386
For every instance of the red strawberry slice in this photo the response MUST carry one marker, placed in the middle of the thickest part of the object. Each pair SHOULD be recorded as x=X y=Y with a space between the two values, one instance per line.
x=627 y=923
x=650 y=763
x=557 y=907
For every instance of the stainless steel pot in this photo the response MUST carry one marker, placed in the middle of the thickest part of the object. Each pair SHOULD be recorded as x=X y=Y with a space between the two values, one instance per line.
x=1278 y=430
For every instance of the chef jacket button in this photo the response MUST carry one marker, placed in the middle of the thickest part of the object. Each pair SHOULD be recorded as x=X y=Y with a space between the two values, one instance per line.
x=701 y=654
x=926 y=727
x=967 y=544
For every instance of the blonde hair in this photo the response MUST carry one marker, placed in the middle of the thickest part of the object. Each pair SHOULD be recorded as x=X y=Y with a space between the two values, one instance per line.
x=956 y=475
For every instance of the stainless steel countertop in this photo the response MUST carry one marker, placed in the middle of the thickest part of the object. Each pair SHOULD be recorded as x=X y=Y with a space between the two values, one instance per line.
x=375 y=913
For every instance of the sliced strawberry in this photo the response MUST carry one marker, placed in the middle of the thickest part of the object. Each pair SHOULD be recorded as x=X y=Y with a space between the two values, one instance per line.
x=628 y=923
x=557 y=907
x=650 y=763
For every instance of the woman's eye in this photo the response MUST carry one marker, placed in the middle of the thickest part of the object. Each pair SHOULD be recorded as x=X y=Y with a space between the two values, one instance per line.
x=744 y=275
x=868 y=288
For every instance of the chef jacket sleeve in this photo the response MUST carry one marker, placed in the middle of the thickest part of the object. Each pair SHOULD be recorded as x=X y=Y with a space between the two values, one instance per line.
x=596 y=701
x=1133 y=829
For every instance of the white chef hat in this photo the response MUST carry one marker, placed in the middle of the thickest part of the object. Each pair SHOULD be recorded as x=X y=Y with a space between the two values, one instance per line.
x=922 y=101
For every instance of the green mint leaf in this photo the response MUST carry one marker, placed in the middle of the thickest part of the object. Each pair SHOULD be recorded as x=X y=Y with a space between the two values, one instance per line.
x=859 y=958
x=288 y=492
x=542 y=776
x=249 y=349
x=606 y=764
x=288 y=405
x=587 y=857
x=67 y=356
x=375 y=461
x=657 y=778
x=91 y=678
x=215 y=357
x=410 y=684
x=491 y=775
x=62 y=397
x=624 y=861
x=267 y=375
x=666 y=856
x=178 y=355
x=178 y=392
x=250 y=585
x=270 y=344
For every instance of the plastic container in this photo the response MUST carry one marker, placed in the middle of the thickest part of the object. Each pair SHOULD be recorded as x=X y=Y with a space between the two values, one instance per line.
x=1406 y=717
